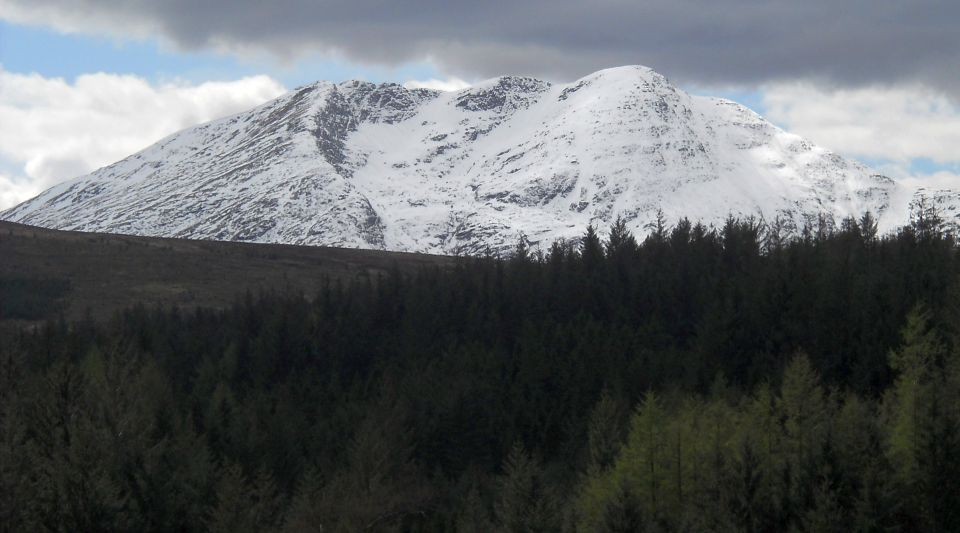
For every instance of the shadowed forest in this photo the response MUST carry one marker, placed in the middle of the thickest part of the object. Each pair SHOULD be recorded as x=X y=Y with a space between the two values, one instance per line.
x=729 y=379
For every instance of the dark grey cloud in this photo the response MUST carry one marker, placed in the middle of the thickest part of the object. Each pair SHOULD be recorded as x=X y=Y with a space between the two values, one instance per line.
x=698 y=41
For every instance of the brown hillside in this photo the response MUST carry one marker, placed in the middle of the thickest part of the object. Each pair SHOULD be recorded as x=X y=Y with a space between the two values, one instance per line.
x=105 y=273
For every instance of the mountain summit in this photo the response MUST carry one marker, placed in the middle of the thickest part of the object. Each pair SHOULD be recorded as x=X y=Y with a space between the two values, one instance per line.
x=357 y=164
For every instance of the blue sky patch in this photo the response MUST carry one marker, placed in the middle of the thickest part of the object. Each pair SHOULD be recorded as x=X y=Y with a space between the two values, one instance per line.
x=29 y=49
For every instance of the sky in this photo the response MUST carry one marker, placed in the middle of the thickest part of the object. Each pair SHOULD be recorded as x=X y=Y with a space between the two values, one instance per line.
x=84 y=83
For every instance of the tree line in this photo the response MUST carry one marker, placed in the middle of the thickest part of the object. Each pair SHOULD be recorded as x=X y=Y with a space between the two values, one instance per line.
x=700 y=379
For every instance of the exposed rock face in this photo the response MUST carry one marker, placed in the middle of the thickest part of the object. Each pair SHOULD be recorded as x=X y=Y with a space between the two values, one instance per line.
x=379 y=166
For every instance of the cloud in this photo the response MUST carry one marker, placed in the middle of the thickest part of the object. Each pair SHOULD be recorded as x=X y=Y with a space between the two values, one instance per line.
x=449 y=84
x=54 y=130
x=12 y=191
x=851 y=42
x=898 y=123
x=892 y=127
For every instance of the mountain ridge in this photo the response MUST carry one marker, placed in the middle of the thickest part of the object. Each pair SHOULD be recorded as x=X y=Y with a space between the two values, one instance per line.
x=363 y=165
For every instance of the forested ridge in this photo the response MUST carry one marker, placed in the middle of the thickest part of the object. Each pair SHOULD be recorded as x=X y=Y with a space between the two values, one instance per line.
x=730 y=379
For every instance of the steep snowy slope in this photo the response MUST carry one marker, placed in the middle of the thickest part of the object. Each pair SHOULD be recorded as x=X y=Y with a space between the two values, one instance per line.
x=380 y=166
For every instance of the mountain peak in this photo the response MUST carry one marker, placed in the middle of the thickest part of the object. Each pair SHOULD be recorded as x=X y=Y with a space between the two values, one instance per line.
x=627 y=71
x=629 y=74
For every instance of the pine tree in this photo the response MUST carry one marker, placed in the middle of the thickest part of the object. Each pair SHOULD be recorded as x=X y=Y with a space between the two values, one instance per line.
x=907 y=401
x=232 y=512
x=591 y=249
x=525 y=503
x=621 y=243
x=76 y=485
x=927 y=222
x=13 y=437
x=304 y=514
x=623 y=514
x=938 y=466
x=266 y=502
x=804 y=409
x=868 y=228
x=747 y=497
x=642 y=465
x=825 y=515
x=604 y=433
x=473 y=516
x=658 y=233
x=380 y=485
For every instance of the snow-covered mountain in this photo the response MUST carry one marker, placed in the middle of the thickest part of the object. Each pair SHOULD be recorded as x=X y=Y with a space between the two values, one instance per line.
x=380 y=166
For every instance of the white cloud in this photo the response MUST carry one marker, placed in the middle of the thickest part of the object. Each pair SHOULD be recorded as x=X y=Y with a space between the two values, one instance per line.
x=938 y=180
x=897 y=123
x=55 y=130
x=12 y=191
x=449 y=84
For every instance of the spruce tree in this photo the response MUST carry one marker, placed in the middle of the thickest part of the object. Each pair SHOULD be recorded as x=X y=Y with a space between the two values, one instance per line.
x=525 y=502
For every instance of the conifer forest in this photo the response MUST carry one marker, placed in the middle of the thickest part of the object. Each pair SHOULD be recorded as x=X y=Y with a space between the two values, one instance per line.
x=740 y=378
